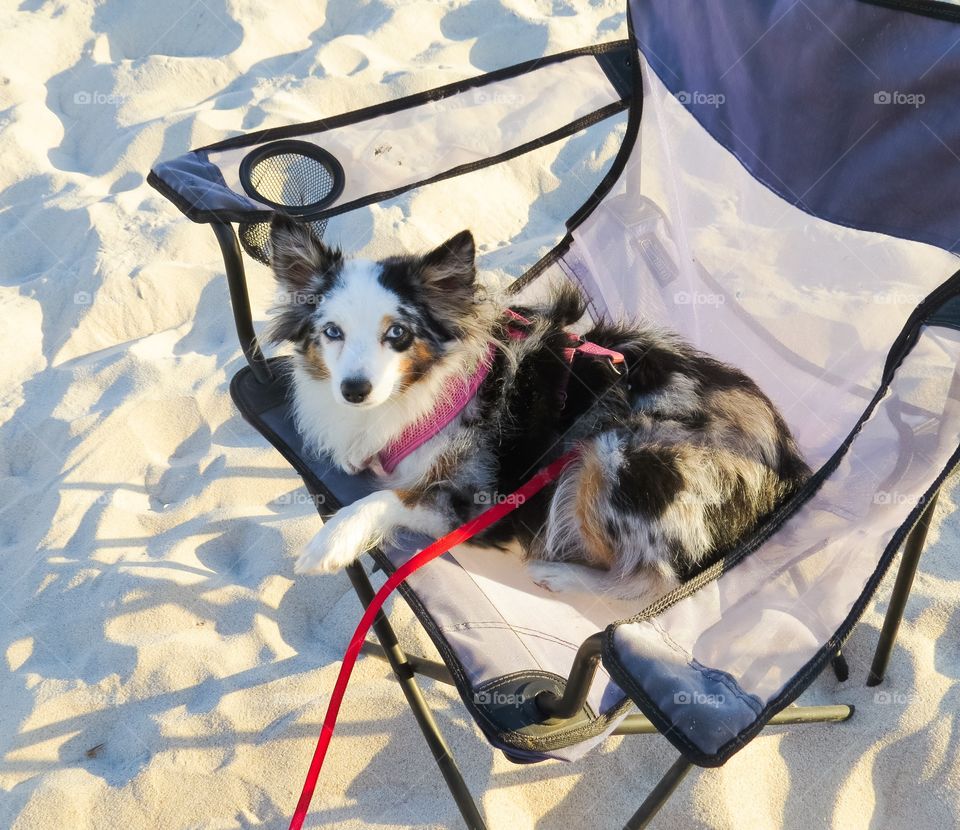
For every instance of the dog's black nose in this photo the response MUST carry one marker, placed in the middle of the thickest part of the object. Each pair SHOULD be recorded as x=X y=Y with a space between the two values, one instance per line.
x=355 y=390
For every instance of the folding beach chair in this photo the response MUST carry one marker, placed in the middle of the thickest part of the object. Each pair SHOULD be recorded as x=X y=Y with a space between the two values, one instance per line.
x=786 y=196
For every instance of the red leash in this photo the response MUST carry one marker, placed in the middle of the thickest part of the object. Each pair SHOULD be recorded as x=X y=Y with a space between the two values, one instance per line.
x=492 y=514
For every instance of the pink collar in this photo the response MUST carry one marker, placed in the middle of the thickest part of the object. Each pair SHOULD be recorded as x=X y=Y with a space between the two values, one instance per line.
x=460 y=391
x=456 y=395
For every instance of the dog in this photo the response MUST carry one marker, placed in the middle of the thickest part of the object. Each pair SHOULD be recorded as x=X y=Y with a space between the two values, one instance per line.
x=680 y=455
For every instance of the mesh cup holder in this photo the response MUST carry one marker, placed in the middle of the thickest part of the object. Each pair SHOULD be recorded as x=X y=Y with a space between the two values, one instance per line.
x=255 y=237
x=295 y=177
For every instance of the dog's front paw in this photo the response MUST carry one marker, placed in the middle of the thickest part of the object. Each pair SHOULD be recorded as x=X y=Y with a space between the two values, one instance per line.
x=331 y=550
x=352 y=468
x=555 y=576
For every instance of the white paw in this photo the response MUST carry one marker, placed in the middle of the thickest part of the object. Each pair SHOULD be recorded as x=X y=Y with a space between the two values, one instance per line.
x=340 y=543
x=555 y=576
x=352 y=467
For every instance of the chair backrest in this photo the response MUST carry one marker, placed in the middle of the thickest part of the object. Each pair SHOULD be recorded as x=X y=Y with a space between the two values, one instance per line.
x=793 y=196
x=793 y=206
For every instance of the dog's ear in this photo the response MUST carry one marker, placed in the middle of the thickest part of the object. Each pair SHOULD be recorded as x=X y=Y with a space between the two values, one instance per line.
x=296 y=255
x=302 y=265
x=449 y=270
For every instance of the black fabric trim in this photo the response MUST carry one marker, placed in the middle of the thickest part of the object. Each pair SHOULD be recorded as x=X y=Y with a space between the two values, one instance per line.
x=618 y=70
x=928 y=8
x=303 y=148
x=901 y=347
x=406 y=102
x=635 y=112
x=542 y=141
x=251 y=216
x=629 y=138
x=541 y=265
x=178 y=201
x=947 y=315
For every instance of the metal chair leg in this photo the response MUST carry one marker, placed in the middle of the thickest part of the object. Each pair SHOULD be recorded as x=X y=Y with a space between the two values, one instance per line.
x=428 y=726
x=659 y=795
x=901 y=592
x=578 y=684
x=240 y=300
x=639 y=725
x=420 y=665
x=836 y=713
x=841 y=669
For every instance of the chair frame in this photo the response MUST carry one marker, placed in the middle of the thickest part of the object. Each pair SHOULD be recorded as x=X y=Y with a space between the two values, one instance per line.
x=407 y=666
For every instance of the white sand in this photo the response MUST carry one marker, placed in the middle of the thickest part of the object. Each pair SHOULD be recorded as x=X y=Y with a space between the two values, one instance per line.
x=163 y=669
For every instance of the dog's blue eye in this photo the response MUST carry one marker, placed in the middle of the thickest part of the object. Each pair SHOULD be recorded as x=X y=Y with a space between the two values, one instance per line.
x=396 y=332
x=333 y=332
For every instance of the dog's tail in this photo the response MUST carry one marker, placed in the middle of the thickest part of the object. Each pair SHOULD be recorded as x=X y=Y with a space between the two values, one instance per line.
x=565 y=306
x=634 y=504
x=606 y=529
x=605 y=509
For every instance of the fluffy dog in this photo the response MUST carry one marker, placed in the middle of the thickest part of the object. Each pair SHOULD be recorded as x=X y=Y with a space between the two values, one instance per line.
x=680 y=455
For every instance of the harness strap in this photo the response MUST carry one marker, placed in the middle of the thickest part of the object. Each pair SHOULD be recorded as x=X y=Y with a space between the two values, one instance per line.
x=454 y=400
x=592 y=349
x=578 y=344
x=541 y=479
x=460 y=391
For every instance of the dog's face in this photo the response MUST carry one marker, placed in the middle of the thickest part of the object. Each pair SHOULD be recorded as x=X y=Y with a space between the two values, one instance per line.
x=372 y=329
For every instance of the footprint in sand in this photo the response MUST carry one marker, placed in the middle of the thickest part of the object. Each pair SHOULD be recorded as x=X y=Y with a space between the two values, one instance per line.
x=179 y=28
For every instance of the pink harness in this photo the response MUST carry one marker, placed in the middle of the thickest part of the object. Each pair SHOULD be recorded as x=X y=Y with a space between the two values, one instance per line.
x=460 y=391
